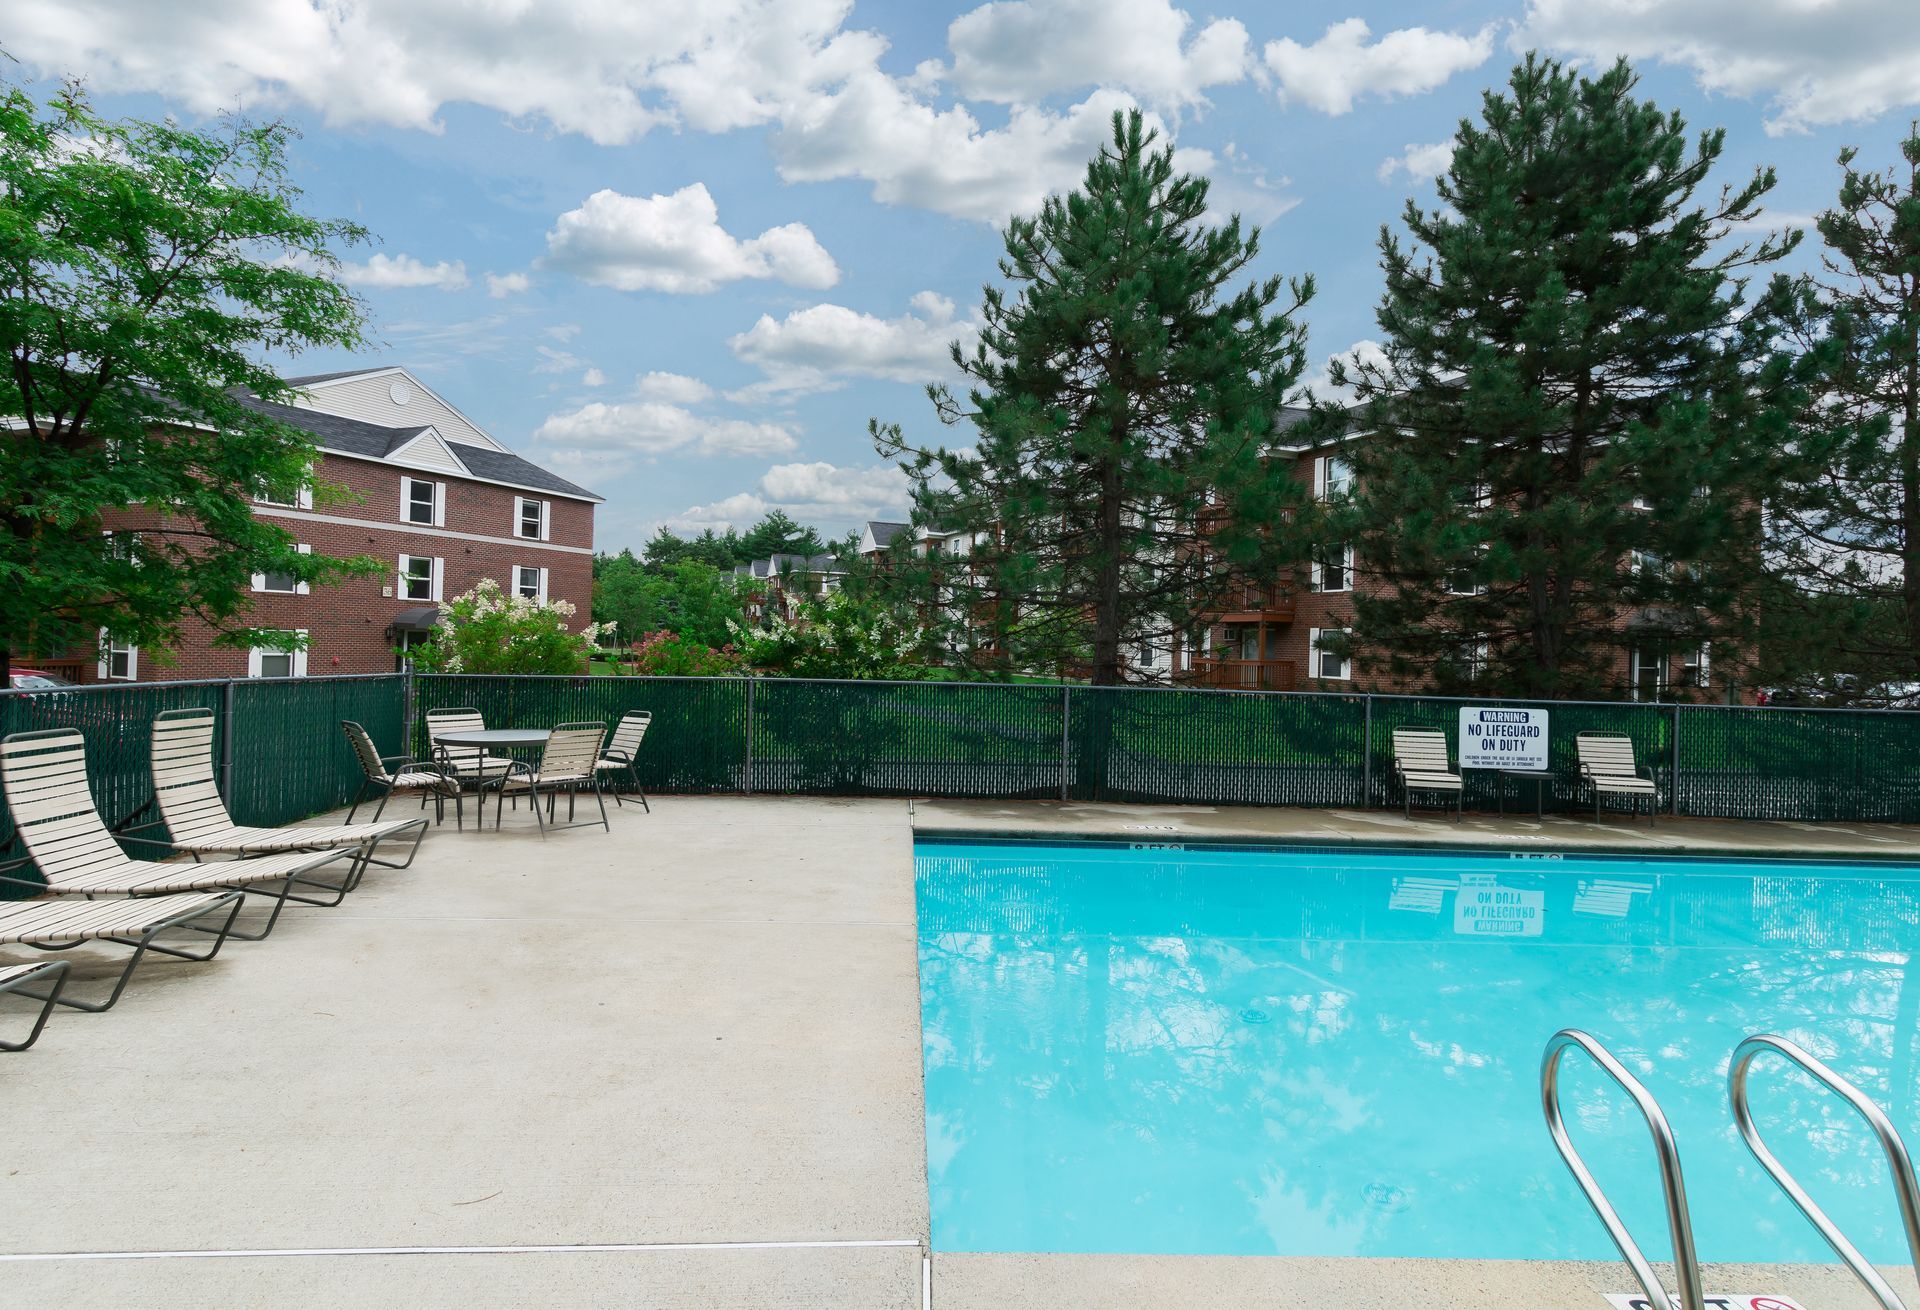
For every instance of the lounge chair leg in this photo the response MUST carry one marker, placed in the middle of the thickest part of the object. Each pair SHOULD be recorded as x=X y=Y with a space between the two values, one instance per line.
x=380 y=809
x=57 y=970
x=144 y=943
x=635 y=775
x=358 y=796
x=603 y=803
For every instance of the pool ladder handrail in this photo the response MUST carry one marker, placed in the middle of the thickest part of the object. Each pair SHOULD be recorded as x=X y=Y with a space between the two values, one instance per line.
x=1891 y=1145
x=1686 y=1263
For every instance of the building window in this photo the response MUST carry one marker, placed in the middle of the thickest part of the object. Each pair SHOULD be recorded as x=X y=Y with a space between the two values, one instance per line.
x=1473 y=658
x=419 y=577
x=530 y=583
x=1693 y=667
x=1647 y=564
x=1335 y=476
x=1324 y=663
x=423 y=502
x=119 y=660
x=283 y=583
x=1647 y=672
x=267 y=662
x=1465 y=581
x=1335 y=572
x=530 y=519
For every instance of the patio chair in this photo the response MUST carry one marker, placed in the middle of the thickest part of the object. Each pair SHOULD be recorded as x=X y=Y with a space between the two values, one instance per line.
x=569 y=762
x=624 y=749
x=15 y=977
x=1420 y=762
x=386 y=775
x=45 y=778
x=198 y=823
x=1607 y=765
x=471 y=764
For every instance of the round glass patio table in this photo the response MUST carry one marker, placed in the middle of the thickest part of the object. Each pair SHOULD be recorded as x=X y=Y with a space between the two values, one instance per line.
x=512 y=739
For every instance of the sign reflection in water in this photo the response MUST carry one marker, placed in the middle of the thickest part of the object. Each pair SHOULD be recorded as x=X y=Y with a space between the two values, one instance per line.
x=1307 y=1053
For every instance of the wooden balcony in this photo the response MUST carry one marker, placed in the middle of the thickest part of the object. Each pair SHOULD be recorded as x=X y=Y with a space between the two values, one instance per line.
x=1246 y=675
x=1251 y=604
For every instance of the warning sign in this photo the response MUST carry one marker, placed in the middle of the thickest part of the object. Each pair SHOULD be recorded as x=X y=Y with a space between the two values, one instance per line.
x=1503 y=739
x=1483 y=908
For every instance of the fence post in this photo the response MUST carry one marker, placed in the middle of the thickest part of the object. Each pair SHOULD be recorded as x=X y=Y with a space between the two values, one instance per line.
x=407 y=709
x=226 y=742
x=1673 y=769
x=1366 y=757
x=1066 y=720
x=749 y=772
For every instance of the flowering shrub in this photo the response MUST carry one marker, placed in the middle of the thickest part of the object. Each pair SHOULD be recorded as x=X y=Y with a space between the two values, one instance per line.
x=837 y=635
x=488 y=631
x=668 y=654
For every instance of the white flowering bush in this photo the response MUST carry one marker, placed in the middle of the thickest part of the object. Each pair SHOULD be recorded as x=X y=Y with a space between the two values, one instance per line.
x=486 y=630
x=837 y=635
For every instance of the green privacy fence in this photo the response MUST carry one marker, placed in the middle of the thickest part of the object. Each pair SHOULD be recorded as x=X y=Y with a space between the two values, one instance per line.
x=283 y=755
x=989 y=740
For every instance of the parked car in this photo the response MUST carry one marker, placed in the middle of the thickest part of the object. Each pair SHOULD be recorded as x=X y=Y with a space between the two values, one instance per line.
x=35 y=680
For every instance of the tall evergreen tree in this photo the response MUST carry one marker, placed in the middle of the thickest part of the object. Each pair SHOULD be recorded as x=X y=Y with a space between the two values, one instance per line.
x=1850 y=533
x=1579 y=409
x=1123 y=395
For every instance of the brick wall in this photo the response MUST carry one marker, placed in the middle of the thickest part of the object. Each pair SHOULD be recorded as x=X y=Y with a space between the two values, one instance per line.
x=347 y=623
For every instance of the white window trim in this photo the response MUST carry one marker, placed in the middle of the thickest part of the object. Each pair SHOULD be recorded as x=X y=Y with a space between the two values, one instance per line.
x=439 y=502
x=1317 y=581
x=520 y=504
x=299 y=657
x=302 y=498
x=1313 y=657
x=108 y=650
x=1320 y=466
x=435 y=572
x=540 y=593
x=1697 y=664
x=259 y=583
x=1662 y=664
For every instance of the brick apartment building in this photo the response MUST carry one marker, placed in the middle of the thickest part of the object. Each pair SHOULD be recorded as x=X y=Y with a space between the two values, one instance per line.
x=1269 y=633
x=430 y=493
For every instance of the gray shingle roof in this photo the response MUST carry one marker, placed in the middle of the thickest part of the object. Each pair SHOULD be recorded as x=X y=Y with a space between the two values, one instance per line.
x=884 y=533
x=351 y=436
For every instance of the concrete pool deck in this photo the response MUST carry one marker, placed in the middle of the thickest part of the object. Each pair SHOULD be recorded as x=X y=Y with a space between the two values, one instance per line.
x=693 y=1043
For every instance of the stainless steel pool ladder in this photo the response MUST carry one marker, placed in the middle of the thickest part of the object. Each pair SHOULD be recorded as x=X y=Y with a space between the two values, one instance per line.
x=1898 y=1162
x=1673 y=1188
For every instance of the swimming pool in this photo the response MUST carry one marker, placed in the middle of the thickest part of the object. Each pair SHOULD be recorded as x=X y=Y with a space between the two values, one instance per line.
x=1244 y=1051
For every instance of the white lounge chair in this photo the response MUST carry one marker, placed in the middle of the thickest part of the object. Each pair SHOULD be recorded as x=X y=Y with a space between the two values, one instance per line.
x=624 y=749
x=45 y=777
x=1420 y=762
x=50 y=976
x=569 y=762
x=59 y=925
x=1608 y=766
x=198 y=823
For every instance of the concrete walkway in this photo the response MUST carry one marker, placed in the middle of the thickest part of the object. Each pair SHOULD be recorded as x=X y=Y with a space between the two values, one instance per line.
x=701 y=1028
x=698 y=1032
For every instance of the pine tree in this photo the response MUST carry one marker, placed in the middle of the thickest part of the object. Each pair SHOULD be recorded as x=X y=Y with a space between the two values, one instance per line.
x=1579 y=411
x=1123 y=396
x=1850 y=534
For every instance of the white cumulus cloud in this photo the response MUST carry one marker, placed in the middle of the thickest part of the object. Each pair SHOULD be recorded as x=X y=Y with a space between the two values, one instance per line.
x=831 y=496
x=820 y=347
x=1816 y=63
x=1020 y=51
x=502 y=285
x=673 y=388
x=391 y=271
x=1342 y=66
x=644 y=429
x=1419 y=163
x=675 y=243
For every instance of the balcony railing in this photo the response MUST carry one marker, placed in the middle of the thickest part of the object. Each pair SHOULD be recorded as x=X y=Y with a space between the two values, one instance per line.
x=1254 y=604
x=1248 y=675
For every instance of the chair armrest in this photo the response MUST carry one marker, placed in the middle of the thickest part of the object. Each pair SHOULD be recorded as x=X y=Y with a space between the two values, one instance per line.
x=141 y=841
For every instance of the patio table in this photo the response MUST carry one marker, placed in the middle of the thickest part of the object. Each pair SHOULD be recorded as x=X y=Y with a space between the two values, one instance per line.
x=510 y=739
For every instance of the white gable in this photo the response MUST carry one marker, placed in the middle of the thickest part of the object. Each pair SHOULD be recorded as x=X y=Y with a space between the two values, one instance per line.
x=428 y=451
x=393 y=398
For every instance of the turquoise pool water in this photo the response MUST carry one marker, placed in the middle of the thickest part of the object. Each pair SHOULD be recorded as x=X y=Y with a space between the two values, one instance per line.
x=1310 y=1052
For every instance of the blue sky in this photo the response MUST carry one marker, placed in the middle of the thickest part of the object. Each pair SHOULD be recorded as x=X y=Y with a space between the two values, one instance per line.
x=682 y=252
